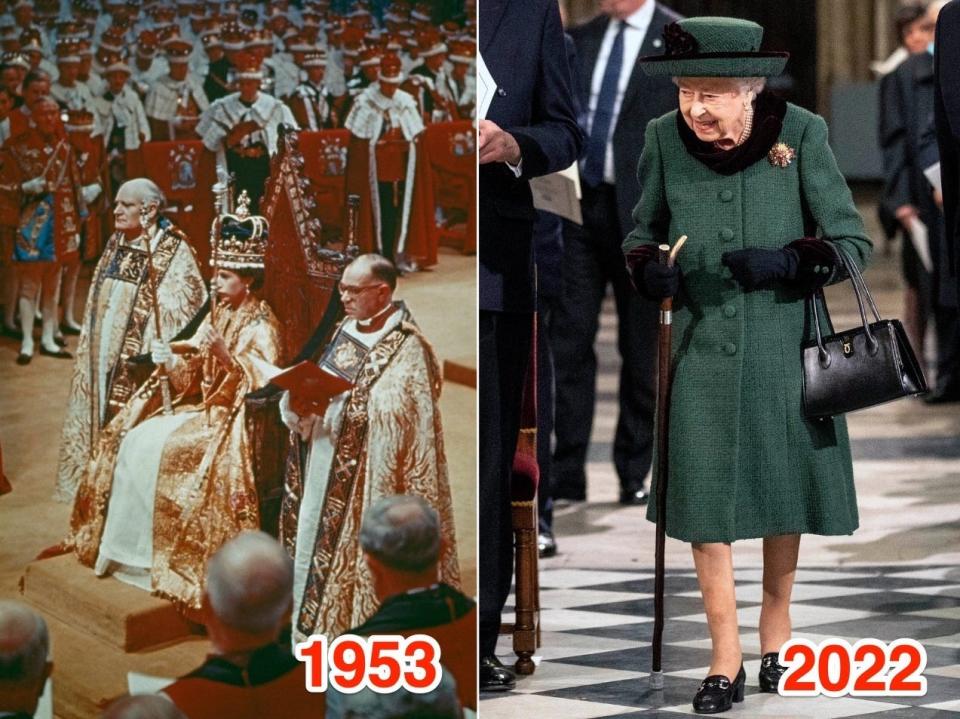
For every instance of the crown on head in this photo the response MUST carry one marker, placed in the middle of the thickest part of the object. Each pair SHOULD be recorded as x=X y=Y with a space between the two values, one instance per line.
x=242 y=241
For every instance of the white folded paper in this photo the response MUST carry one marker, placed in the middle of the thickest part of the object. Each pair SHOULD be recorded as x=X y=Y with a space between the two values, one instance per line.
x=138 y=683
x=486 y=87
x=559 y=193
x=932 y=174
x=921 y=242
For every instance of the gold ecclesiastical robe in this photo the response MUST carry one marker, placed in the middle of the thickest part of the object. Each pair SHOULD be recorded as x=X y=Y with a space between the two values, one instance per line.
x=205 y=491
x=387 y=439
x=118 y=324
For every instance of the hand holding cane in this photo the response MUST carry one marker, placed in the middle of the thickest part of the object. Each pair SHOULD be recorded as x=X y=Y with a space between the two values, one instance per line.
x=666 y=257
x=145 y=222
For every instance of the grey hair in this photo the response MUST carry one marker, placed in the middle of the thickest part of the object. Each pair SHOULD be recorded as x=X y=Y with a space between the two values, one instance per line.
x=403 y=532
x=441 y=703
x=250 y=582
x=746 y=84
x=143 y=706
x=147 y=190
x=24 y=643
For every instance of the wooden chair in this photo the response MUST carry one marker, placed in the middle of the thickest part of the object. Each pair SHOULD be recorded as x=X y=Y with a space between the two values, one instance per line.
x=523 y=505
x=185 y=170
x=449 y=151
x=301 y=272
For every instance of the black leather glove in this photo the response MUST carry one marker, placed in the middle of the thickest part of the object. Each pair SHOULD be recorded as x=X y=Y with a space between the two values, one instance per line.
x=660 y=281
x=756 y=268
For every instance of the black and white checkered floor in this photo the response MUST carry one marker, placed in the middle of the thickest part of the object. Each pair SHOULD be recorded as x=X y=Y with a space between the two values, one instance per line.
x=595 y=656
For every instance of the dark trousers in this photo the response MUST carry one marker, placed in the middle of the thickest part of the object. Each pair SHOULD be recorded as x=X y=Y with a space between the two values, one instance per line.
x=251 y=175
x=504 y=353
x=947 y=325
x=545 y=412
x=592 y=261
x=391 y=215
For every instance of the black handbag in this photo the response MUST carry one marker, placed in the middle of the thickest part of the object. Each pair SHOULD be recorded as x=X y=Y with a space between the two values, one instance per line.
x=860 y=367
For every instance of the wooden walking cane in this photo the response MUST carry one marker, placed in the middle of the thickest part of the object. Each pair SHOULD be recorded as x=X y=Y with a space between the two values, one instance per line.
x=164 y=376
x=667 y=257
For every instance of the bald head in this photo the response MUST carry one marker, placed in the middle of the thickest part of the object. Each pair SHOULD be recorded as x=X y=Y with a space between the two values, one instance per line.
x=143 y=706
x=24 y=644
x=376 y=267
x=250 y=583
x=403 y=532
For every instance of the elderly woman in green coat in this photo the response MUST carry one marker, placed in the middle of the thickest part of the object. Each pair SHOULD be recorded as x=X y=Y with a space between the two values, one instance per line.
x=753 y=184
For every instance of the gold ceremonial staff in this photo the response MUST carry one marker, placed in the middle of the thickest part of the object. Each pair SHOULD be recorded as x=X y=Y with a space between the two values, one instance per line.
x=152 y=282
x=222 y=203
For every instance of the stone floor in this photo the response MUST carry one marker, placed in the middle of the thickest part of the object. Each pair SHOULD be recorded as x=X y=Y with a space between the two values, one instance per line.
x=897 y=576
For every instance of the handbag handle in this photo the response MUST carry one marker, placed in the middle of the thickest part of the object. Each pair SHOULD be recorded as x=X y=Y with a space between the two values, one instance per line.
x=860 y=290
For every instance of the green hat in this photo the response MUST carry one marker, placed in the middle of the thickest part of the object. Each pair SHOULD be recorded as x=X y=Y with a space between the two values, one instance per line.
x=714 y=47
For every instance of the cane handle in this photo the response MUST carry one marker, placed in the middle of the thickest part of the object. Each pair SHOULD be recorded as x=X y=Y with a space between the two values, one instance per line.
x=672 y=258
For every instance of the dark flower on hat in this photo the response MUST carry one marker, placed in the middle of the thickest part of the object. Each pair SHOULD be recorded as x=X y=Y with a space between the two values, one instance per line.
x=678 y=40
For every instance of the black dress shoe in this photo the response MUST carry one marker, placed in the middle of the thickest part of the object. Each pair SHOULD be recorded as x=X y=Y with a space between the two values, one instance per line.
x=770 y=672
x=494 y=677
x=633 y=496
x=717 y=693
x=546 y=544
x=60 y=354
x=23 y=359
x=61 y=342
x=68 y=330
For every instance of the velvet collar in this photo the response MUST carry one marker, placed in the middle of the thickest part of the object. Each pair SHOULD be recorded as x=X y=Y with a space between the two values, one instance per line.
x=767 y=123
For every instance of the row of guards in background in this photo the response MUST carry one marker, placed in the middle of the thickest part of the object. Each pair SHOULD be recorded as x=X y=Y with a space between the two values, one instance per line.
x=443 y=201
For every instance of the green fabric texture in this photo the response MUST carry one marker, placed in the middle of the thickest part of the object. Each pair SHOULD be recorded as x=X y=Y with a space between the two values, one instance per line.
x=726 y=35
x=744 y=462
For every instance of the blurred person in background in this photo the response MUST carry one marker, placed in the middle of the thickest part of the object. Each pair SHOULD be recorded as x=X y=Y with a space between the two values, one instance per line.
x=24 y=668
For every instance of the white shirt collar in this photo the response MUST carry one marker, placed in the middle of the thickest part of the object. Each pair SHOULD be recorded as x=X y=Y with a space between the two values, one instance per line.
x=641 y=19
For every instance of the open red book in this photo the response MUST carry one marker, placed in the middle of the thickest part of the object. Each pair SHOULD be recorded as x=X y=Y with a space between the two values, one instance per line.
x=306 y=382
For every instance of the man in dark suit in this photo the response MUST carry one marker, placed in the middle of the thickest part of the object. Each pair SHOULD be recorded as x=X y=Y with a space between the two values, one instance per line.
x=530 y=129
x=618 y=100
x=947 y=118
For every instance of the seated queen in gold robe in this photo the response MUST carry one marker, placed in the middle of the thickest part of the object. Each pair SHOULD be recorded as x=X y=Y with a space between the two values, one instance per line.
x=169 y=485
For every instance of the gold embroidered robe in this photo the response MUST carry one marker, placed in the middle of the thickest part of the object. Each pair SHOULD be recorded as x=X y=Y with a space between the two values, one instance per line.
x=390 y=441
x=119 y=323
x=205 y=491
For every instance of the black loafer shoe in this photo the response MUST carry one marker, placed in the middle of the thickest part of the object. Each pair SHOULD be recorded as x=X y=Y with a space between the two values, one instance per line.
x=770 y=672
x=68 y=330
x=23 y=359
x=717 y=693
x=633 y=496
x=56 y=355
x=494 y=677
x=546 y=544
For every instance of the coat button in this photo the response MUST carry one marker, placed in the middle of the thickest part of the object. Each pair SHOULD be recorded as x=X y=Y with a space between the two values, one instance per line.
x=726 y=234
x=730 y=311
x=729 y=348
x=726 y=195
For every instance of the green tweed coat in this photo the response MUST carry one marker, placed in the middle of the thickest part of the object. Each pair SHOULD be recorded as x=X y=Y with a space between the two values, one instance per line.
x=744 y=462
